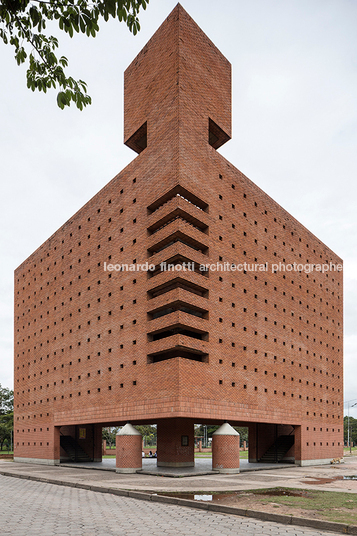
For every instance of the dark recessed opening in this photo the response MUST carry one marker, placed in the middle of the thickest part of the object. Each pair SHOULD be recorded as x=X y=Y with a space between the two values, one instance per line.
x=178 y=330
x=178 y=191
x=178 y=306
x=179 y=263
x=138 y=141
x=178 y=214
x=216 y=136
x=178 y=283
x=179 y=352
x=181 y=237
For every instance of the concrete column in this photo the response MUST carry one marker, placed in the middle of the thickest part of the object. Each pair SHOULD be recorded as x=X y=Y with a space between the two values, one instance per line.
x=128 y=450
x=175 y=443
x=225 y=449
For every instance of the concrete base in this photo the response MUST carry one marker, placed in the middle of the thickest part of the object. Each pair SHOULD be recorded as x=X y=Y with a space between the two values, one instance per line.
x=223 y=470
x=203 y=466
x=304 y=463
x=39 y=461
x=175 y=464
x=126 y=470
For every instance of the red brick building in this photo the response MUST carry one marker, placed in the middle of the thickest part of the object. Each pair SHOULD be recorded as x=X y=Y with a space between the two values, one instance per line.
x=257 y=346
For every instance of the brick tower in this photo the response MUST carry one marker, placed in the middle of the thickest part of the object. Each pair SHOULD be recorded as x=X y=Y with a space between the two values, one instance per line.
x=176 y=344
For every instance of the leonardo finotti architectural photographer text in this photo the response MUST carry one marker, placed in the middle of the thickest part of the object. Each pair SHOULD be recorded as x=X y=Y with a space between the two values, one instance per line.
x=224 y=267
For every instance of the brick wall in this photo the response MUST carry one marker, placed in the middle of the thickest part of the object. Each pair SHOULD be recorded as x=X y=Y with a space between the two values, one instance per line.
x=105 y=347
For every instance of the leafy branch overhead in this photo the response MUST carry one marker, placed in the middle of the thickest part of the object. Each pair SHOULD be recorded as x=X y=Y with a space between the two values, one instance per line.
x=23 y=26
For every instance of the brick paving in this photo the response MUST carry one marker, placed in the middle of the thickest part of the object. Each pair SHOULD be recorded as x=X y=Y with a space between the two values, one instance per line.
x=30 y=508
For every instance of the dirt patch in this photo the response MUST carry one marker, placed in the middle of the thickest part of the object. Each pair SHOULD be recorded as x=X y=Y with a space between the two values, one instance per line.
x=252 y=502
x=312 y=504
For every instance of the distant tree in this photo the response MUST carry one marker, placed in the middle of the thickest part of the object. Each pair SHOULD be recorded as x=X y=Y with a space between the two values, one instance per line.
x=149 y=433
x=6 y=415
x=243 y=432
x=353 y=429
x=6 y=428
x=6 y=400
x=23 y=26
x=199 y=431
x=109 y=434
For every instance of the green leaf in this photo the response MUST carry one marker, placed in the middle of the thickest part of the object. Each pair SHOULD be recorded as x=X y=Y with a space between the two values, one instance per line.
x=24 y=29
x=35 y=16
x=63 y=61
x=82 y=25
x=62 y=100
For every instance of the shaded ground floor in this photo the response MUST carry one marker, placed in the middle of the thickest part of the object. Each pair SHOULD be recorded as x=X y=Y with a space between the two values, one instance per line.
x=299 y=444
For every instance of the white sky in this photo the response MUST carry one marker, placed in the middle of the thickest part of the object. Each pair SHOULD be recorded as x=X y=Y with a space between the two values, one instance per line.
x=294 y=131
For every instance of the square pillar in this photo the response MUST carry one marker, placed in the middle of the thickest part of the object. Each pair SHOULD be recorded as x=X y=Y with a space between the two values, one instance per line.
x=97 y=443
x=175 y=443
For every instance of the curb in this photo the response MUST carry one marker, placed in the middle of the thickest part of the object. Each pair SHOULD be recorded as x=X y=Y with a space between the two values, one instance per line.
x=319 y=524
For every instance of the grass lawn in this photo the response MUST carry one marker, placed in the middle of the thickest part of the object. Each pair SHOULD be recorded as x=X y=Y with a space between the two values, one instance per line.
x=333 y=506
x=346 y=450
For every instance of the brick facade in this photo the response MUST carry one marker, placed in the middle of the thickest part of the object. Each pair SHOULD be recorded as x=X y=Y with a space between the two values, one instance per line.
x=96 y=346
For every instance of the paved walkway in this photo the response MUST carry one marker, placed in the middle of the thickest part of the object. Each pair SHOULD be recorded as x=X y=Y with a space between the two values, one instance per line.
x=75 y=501
x=31 y=508
x=319 y=477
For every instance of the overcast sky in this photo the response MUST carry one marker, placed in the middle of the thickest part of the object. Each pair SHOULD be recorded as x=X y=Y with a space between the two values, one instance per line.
x=294 y=131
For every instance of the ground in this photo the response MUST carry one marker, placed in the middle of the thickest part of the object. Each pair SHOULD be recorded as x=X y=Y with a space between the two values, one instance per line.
x=312 y=504
x=325 y=492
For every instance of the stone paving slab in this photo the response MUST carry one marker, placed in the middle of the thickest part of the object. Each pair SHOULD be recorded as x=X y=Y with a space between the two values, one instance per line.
x=29 y=508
